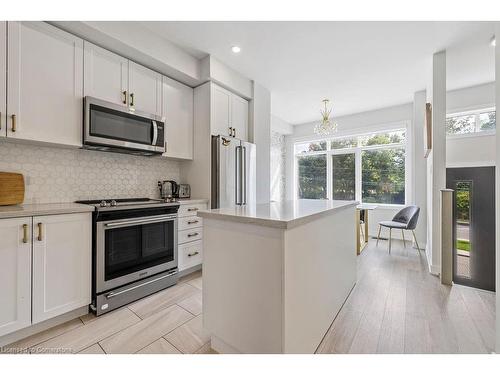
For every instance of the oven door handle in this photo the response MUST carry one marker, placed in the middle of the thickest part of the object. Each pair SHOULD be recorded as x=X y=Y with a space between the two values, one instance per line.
x=114 y=294
x=126 y=223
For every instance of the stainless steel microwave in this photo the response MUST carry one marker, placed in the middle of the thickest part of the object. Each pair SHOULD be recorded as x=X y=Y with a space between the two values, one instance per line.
x=111 y=127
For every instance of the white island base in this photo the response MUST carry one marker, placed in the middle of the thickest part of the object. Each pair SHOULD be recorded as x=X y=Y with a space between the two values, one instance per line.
x=276 y=275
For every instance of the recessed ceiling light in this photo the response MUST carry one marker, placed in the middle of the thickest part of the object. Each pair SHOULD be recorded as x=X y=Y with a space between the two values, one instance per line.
x=493 y=41
x=236 y=49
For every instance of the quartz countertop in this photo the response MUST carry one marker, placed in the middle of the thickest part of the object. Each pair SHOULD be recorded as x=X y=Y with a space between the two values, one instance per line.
x=24 y=210
x=283 y=215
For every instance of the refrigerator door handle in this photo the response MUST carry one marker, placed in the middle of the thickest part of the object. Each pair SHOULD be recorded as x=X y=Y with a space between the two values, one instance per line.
x=238 y=176
x=244 y=174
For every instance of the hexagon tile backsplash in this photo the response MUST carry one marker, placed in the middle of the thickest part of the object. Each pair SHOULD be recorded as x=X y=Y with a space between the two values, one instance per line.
x=65 y=175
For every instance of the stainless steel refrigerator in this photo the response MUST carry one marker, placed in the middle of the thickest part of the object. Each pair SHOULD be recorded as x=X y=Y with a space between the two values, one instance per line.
x=233 y=172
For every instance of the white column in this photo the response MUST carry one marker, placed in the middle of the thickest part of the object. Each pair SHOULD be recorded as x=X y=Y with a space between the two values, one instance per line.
x=260 y=134
x=419 y=168
x=436 y=164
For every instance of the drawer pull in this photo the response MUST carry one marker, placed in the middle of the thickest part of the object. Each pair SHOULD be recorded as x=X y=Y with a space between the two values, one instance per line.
x=14 y=127
x=193 y=254
x=193 y=234
x=192 y=221
x=193 y=209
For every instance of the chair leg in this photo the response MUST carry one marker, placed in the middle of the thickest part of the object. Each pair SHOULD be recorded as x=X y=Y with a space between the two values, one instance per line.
x=390 y=239
x=416 y=242
x=403 y=233
x=378 y=236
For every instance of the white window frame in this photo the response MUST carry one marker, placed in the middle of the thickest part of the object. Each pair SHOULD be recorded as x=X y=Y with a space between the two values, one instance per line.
x=329 y=152
x=476 y=112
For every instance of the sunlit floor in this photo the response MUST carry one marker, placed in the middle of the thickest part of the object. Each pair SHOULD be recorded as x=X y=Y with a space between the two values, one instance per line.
x=397 y=306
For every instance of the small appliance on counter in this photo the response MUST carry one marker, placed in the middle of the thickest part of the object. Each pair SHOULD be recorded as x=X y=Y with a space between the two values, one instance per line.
x=169 y=190
x=11 y=188
x=184 y=191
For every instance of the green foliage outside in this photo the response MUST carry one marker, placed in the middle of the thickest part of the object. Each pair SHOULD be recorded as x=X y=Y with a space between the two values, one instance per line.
x=344 y=176
x=463 y=245
x=383 y=171
x=463 y=201
x=312 y=177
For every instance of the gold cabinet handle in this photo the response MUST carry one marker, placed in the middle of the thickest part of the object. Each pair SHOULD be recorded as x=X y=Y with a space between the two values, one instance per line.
x=230 y=131
x=193 y=254
x=234 y=132
x=193 y=234
x=193 y=209
x=40 y=233
x=192 y=221
x=25 y=233
x=131 y=99
x=124 y=101
x=14 y=127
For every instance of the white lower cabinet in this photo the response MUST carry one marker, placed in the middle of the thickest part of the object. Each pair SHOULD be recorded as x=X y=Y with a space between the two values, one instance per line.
x=15 y=274
x=45 y=268
x=190 y=236
x=61 y=264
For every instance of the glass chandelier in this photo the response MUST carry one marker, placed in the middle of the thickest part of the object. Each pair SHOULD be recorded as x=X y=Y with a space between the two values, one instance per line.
x=326 y=126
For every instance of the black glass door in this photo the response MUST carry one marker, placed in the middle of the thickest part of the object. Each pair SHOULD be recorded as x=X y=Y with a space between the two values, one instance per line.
x=129 y=249
x=473 y=225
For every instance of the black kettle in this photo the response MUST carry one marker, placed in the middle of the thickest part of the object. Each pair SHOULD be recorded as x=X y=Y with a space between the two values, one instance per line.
x=168 y=189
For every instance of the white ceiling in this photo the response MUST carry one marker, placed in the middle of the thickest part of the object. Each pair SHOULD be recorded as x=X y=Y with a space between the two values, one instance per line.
x=358 y=65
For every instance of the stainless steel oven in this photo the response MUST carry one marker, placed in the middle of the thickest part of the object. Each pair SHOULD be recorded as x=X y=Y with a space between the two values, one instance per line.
x=134 y=250
x=111 y=127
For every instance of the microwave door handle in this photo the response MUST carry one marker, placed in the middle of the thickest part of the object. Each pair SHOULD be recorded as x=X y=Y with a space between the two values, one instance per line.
x=155 y=133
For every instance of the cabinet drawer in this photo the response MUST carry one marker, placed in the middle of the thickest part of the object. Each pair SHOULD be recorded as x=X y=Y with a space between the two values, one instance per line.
x=189 y=222
x=191 y=209
x=190 y=235
x=190 y=254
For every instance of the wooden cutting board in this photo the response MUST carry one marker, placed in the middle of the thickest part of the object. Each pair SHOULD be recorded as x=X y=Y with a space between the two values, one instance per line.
x=11 y=188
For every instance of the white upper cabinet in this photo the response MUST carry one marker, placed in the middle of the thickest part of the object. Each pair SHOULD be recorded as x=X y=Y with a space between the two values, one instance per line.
x=62 y=253
x=144 y=89
x=15 y=274
x=3 y=78
x=229 y=114
x=178 y=114
x=239 y=117
x=106 y=75
x=221 y=111
x=44 y=84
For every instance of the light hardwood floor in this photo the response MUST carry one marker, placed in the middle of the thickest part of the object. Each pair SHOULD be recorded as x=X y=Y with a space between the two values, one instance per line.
x=168 y=322
x=395 y=307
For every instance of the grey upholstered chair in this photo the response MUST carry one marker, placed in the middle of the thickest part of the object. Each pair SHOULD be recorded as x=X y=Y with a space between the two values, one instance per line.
x=406 y=219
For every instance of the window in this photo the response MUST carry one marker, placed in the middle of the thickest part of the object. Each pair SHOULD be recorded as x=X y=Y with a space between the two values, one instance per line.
x=312 y=177
x=344 y=176
x=383 y=176
x=471 y=122
x=369 y=168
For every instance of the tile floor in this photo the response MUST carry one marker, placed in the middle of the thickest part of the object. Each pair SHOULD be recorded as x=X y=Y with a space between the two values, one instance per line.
x=168 y=322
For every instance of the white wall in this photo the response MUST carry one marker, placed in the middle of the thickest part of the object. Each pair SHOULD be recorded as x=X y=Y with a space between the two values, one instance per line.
x=497 y=177
x=213 y=70
x=260 y=134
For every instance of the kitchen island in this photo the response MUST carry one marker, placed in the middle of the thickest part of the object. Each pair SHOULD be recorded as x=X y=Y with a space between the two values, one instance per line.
x=275 y=275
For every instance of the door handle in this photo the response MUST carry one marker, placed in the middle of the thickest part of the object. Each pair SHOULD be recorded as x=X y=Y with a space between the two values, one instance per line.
x=124 y=93
x=192 y=209
x=14 y=126
x=193 y=234
x=192 y=221
x=40 y=233
x=230 y=131
x=25 y=233
x=131 y=99
x=193 y=254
